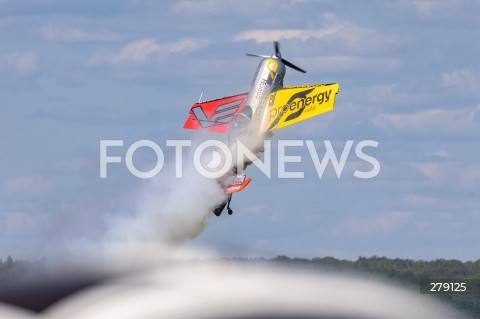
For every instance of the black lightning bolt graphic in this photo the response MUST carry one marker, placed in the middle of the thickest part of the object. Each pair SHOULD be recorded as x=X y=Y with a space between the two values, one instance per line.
x=299 y=95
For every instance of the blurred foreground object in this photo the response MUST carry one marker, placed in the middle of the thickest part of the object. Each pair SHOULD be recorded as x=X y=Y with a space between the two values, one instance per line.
x=229 y=290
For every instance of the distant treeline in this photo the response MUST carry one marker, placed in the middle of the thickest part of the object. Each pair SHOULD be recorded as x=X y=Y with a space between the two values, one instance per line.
x=12 y=270
x=407 y=272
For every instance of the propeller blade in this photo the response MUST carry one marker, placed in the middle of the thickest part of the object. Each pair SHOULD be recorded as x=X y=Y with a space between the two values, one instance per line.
x=293 y=66
x=276 y=45
x=258 y=55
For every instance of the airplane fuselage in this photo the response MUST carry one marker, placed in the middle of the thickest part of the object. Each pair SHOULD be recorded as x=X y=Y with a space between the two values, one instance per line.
x=268 y=78
x=251 y=124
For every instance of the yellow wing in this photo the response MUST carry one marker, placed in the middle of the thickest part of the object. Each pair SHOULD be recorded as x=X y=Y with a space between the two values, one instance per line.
x=293 y=104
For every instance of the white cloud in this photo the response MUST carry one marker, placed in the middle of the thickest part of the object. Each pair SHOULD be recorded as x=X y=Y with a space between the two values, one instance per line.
x=373 y=225
x=261 y=36
x=254 y=209
x=452 y=173
x=74 y=164
x=349 y=63
x=140 y=51
x=27 y=2
x=430 y=170
x=21 y=63
x=431 y=8
x=199 y=7
x=420 y=201
x=349 y=34
x=442 y=154
x=28 y=185
x=463 y=12
x=455 y=174
x=17 y=223
x=452 y=120
x=228 y=7
x=426 y=7
x=383 y=93
x=461 y=78
x=55 y=33
x=470 y=176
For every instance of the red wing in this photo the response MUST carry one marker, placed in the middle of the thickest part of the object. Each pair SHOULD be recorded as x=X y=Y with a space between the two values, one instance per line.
x=215 y=115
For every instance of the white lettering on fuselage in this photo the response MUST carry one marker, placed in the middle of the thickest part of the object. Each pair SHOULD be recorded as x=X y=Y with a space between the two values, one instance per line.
x=258 y=95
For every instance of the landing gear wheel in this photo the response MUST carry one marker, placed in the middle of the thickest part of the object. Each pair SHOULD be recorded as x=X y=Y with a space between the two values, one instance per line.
x=230 y=211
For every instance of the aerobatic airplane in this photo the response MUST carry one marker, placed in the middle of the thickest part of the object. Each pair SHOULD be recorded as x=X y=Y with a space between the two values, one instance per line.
x=250 y=117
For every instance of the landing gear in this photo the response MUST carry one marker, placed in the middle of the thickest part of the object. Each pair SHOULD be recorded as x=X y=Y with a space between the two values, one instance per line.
x=229 y=210
x=217 y=210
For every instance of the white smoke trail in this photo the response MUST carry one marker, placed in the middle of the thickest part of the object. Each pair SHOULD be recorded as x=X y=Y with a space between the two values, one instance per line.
x=157 y=218
x=164 y=213
x=169 y=211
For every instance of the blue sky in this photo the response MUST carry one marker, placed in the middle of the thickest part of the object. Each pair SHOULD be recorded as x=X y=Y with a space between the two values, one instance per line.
x=74 y=73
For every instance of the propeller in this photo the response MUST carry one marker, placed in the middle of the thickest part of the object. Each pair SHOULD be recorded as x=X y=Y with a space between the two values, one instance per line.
x=277 y=54
x=258 y=55
x=293 y=66
x=276 y=45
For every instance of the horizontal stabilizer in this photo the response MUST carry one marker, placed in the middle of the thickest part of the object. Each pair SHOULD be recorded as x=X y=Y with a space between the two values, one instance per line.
x=238 y=184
